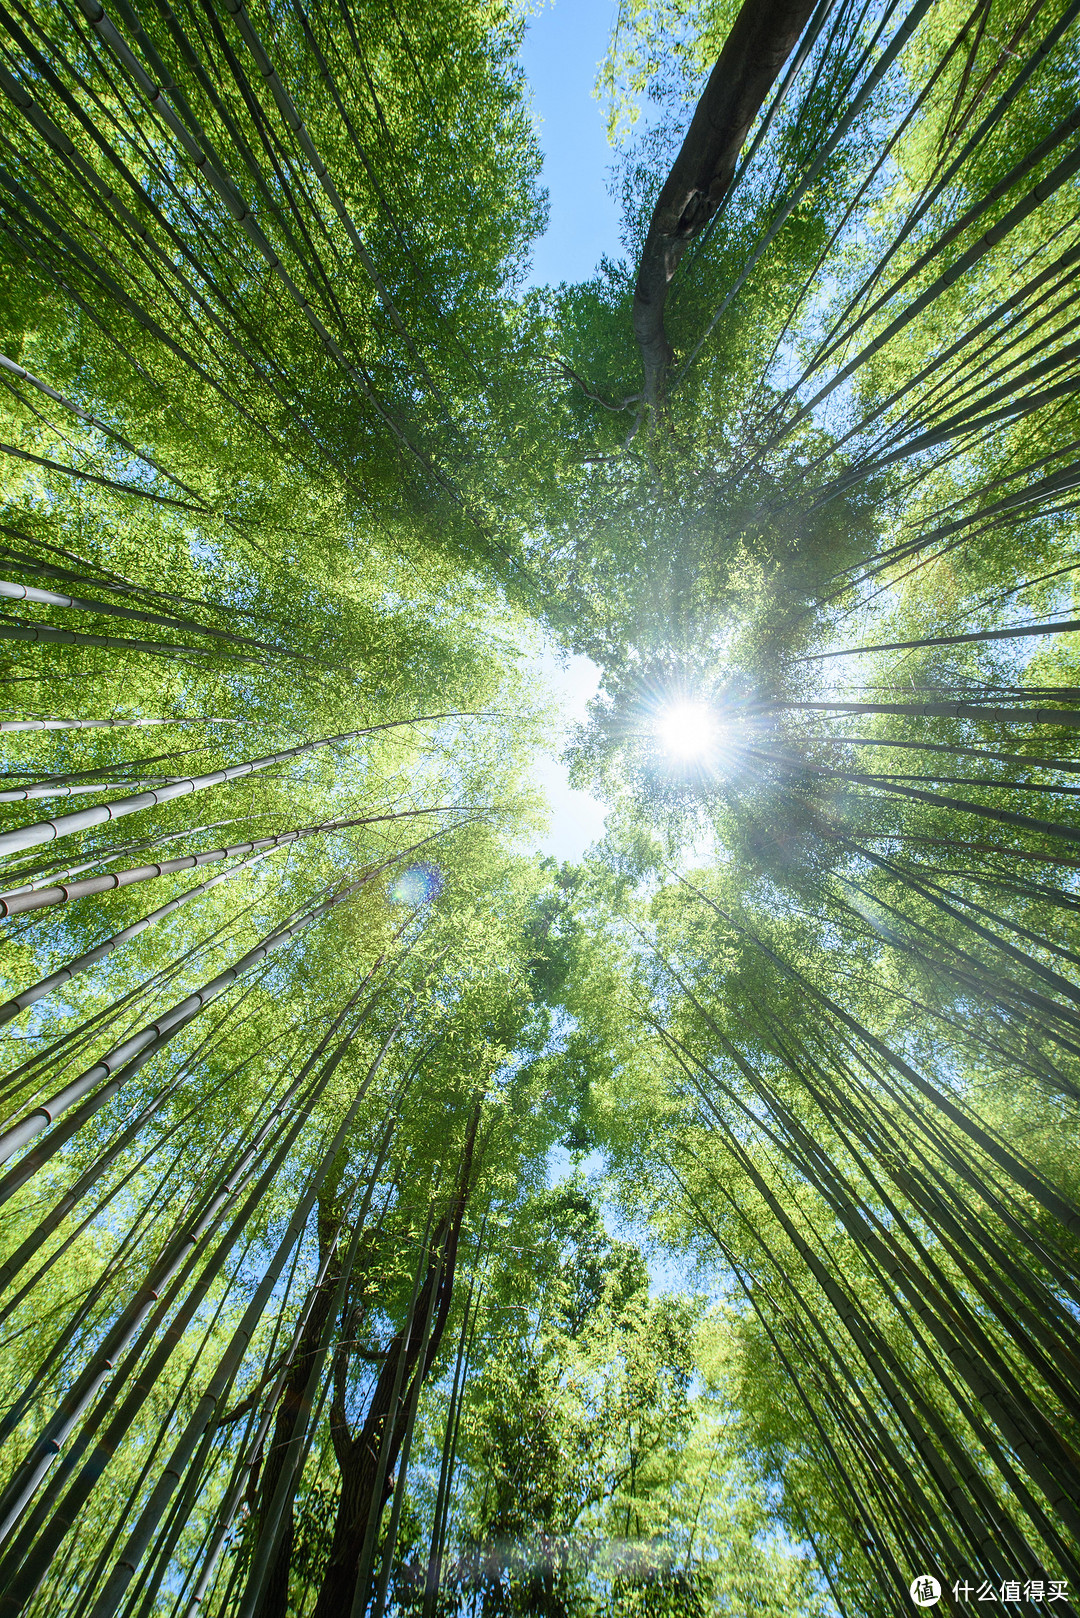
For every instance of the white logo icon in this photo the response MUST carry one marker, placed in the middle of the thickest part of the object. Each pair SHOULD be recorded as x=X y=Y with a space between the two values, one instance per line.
x=925 y=1590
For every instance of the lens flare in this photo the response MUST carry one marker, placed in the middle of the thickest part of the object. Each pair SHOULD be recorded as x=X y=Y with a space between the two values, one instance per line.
x=417 y=885
x=688 y=730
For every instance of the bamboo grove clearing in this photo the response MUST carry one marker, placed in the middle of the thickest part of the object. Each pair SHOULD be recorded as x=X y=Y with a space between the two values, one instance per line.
x=297 y=1318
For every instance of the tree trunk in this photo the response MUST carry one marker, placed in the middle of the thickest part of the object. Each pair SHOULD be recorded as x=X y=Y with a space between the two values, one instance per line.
x=762 y=39
x=384 y=1425
x=274 y=1601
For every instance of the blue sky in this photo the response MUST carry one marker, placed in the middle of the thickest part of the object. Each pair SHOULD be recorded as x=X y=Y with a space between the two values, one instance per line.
x=566 y=41
x=577 y=818
x=564 y=45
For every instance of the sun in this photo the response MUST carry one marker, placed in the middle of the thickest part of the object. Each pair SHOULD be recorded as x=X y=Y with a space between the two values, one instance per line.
x=688 y=730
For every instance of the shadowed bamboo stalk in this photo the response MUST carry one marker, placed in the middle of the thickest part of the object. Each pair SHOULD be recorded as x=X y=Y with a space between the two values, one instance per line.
x=208 y=1407
x=1067 y=626
x=55 y=980
x=82 y=819
x=922 y=1284
x=38 y=872
x=61 y=1053
x=113 y=1066
x=84 y=415
x=293 y=1430
x=878 y=73
x=34 y=1550
x=53 y=598
x=208 y=164
x=78 y=789
x=100 y=1165
x=760 y=42
x=102 y=724
x=17 y=904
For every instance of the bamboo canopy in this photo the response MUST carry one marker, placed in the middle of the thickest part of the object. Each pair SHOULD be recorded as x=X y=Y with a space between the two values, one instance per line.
x=396 y=1219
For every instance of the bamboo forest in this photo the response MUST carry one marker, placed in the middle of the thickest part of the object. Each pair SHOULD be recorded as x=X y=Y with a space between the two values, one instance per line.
x=403 y=1218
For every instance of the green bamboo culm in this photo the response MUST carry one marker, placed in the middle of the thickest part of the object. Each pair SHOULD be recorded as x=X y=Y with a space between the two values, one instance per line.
x=401 y=1219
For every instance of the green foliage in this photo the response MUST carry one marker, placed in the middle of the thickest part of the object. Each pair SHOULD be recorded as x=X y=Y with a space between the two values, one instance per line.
x=297 y=473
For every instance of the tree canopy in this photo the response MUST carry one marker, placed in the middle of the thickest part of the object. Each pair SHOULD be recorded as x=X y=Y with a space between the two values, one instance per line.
x=397 y=1221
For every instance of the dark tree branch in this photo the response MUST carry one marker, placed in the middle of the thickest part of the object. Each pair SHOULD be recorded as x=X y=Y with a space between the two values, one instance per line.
x=762 y=39
x=571 y=375
x=253 y=1397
